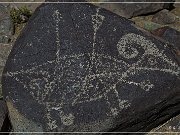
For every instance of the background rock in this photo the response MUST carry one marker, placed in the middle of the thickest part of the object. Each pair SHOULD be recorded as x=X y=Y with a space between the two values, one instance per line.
x=32 y=6
x=111 y=77
x=129 y=10
x=6 y=25
x=4 y=52
x=146 y=22
x=147 y=25
x=164 y=17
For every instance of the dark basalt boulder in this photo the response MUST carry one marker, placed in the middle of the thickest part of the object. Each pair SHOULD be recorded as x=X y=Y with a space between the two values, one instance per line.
x=77 y=67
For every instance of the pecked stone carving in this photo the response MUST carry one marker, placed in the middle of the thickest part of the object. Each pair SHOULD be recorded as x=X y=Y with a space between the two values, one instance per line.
x=82 y=68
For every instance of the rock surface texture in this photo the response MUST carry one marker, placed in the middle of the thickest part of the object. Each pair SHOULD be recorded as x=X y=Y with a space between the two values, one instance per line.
x=171 y=126
x=77 y=67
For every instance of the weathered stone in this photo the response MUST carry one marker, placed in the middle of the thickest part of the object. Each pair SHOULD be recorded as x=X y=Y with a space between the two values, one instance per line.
x=147 y=25
x=30 y=4
x=176 y=11
x=4 y=52
x=176 y=25
x=6 y=25
x=164 y=17
x=129 y=10
x=145 y=22
x=3 y=112
x=77 y=67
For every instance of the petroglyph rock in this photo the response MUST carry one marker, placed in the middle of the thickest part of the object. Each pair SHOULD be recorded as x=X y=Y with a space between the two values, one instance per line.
x=77 y=67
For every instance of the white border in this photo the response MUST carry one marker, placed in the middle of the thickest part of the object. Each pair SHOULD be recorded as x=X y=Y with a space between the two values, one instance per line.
x=87 y=132
x=92 y=132
x=88 y=2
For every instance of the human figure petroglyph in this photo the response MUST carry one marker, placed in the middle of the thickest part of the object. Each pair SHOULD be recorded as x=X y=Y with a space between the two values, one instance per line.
x=86 y=84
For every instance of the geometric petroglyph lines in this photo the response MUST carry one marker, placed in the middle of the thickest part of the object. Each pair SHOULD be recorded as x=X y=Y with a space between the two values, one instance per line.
x=57 y=80
x=68 y=119
x=97 y=21
x=114 y=111
x=87 y=84
x=42 y=92
x=145 y=85
x=57 y=18
x=170 y=71
x=52 y=124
